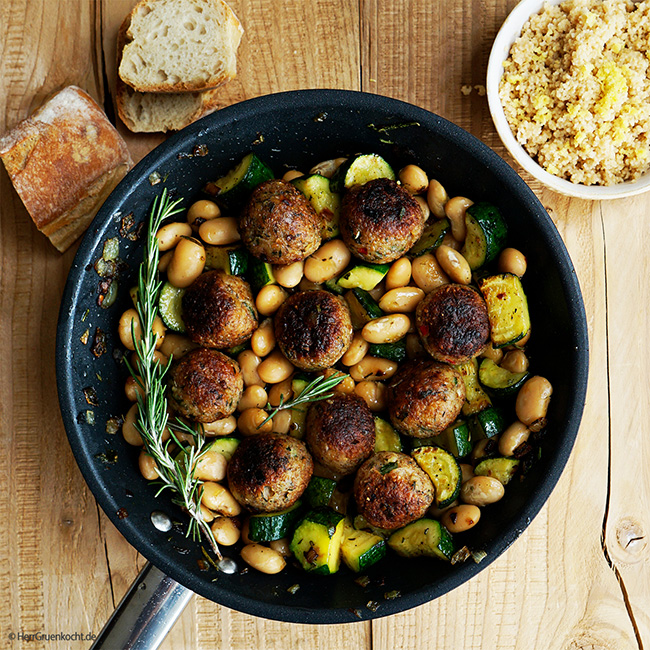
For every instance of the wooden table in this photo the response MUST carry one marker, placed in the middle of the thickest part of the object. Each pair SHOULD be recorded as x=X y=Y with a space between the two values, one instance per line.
x=578 y=578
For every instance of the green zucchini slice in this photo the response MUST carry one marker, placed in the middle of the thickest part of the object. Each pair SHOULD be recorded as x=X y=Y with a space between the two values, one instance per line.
x=232 y=260
x=498 y=381
x=326 y=202
x=363 y=307
x=393 y=351
x=386 y=438
x=507 y=308
x=426 y=537
x=475 y=397
x=225 y=446
x=443 y=470
x=273 y=525
x=233 y=189
x=360 y=170
x=431 y=238
x=316 y=542
x=170 y=307
x=259 y=273
x=487 y=424
x=502 y=469
x=319 y=491
x=456 y=439
x=486 y=234
x=363 y=275
x=360 y=549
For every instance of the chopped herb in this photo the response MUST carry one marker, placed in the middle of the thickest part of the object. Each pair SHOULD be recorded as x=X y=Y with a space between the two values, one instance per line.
x=387 y=467
x=461 y=555
x=478 y=556
x=114 y=424
x=108 y=457
x=91 y=396
x=293 y=588
x=111 y=250
x=372 y=605
x=90 y=417
x=154 y=178
x=391 y=595
x=83 y=318
x=362 y=581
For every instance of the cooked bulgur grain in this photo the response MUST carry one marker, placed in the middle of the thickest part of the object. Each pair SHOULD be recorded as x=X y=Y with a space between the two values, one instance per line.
x=576 y=90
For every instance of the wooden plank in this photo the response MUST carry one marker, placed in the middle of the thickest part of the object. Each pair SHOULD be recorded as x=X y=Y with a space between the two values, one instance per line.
x=48 y=570
x=627 y=525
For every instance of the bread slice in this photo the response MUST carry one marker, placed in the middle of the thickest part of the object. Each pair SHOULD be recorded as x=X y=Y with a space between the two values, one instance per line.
x=64 y=160
x=180 y=46
x=157 y=112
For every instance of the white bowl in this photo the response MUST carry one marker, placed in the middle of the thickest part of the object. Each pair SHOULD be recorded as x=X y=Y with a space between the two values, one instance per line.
x=508 y=33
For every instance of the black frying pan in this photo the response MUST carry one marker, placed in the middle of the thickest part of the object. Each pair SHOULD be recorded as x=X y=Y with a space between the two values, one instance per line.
x=298 y=129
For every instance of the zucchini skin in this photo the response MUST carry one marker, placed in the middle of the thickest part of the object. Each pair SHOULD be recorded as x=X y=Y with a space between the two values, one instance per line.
x=424 y=537
x=487 y=232
x=233 y=189
x=499 y=382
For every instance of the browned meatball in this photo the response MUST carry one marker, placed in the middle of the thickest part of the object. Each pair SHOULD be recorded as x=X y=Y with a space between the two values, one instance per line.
x=279 y=224
x=205 y=385
x=453 y=323
x=219 y=311
x=313 y=329
x=391 y=490
x=425 y=397
x=269 y=471
x=340 y=432
x=380 y=220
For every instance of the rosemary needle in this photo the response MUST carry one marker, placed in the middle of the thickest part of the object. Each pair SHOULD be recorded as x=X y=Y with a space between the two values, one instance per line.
x=176 y=471
x=318 y=389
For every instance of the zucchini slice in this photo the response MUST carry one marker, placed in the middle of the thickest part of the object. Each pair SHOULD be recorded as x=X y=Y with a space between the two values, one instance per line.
x=326 y=202
x=386 y=438
x=259 y=273
x=423 y=537
x=443 y=470
x=232 y=260
x=475 y=397
x=170 y=307
x=394 y=351
x=503 y=469
x=225 y=446
x=498 y=381
x=507 y=308
x=487 y=424
x=431 y=238
x=363 y=307
x=273 y=525
x=456 y=439
x=486 y=234
x=319 y=491
x=360 y=548
x=233 y=189
x=360 y=170
x=316 y=542
x=363 y=275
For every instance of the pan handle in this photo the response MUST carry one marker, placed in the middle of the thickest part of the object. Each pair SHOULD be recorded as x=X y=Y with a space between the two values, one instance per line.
x=146 y=613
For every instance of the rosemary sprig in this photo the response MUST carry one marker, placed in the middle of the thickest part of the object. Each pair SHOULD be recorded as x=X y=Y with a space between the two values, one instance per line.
x=315 y=391
x=176 y=472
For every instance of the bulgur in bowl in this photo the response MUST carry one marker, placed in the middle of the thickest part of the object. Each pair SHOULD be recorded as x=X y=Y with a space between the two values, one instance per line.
x=568 y=86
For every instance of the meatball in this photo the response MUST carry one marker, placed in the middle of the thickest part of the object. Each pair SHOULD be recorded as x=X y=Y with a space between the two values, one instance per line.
x=269 y=471
x=425 y=397
x=340 y=432
x=453 y=323
x=391 y=490
x=313 y=329
x=205 y=385
x=219 y=311
x=279 y=224
x=380 y=221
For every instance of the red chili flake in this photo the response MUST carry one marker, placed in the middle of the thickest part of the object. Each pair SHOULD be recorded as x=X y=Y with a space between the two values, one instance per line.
x=122 y=513
x=363 y=250
x=424 y=330
x=501 y=296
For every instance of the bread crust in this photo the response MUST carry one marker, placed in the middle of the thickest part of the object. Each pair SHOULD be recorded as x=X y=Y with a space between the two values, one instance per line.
x=64 y=160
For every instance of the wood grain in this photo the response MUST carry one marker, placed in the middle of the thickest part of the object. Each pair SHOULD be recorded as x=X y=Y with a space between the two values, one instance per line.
x=577 y=579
